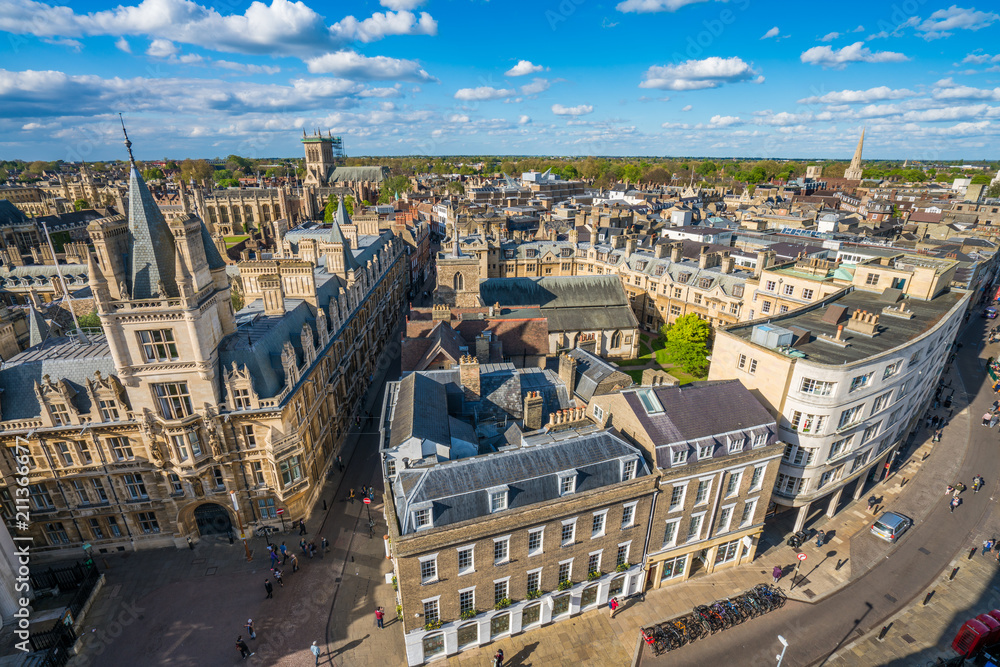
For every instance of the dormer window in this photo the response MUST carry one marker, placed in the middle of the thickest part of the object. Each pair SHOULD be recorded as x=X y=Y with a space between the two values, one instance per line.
x=498 y=498
x=736 y=444
x=629 y=467
x=567 y=482
x=422 y=517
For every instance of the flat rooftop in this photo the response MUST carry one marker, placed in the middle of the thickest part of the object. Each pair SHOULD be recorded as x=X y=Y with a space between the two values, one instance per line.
x=892 y=331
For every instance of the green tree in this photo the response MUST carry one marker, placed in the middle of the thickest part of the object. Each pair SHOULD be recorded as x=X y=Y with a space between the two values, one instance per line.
x=391 y=186
x=90 y=321
x=455 y=188
x=331 y=208
x=153 y=174
x=3 y=174
x=706 y=168
x=199 y=170
x=228 y=183
x=631 y=173
x=234 y=162
x=349 y=204
x=993 y=191
x=980 y=179
x=80 y=204
x=686 y=343
x=570 y=172
x=38 y=166
x=170 y=165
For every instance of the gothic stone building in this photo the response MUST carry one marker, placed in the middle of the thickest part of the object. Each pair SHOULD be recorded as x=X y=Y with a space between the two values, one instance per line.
x=136 y=437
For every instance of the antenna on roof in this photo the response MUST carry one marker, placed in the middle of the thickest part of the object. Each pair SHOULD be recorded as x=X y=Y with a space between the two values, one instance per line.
x=128 y=144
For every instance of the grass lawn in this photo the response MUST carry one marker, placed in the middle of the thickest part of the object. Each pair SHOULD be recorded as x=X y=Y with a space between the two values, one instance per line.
x=635 y=375
x=233 y=240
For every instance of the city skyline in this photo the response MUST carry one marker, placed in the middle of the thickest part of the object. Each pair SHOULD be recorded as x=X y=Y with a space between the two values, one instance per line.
x=405 y=77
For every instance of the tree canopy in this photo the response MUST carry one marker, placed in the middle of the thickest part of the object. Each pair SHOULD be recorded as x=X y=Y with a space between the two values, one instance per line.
x=391 y=186
x=686 y=343
x=199 y=170
x=80 y=204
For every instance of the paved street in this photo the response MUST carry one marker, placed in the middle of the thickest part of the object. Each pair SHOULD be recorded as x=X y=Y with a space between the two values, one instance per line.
x=182 y=608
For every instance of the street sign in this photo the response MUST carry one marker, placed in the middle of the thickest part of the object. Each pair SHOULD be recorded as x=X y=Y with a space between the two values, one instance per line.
x=281 y=511
x=368 y=501
x=802 y=556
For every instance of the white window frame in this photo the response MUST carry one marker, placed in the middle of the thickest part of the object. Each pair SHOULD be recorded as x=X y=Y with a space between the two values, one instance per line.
x=752 y=504
x=760 y=483
x=678 y=457
x=625 y=474
x=729 y=520
x=437 y=572
x=634 y=505
x=527 y=578
x=429 y=508
x=599 y=553
x=676 y=523
x=506 y=582
x=701 y=527
x=604 y=524
x=702 y=455
x=679 y=507
x=506 y=558
x=738 y=476
x=471 y=589
x=498 y=490
x=471 y=548
x=628 y=551
x=735 y=444
x=437 y=602
x=598 y=413
x=570 y=573
x=541 y=541
x=708 y=491
x=563 y=477
x=572 y=539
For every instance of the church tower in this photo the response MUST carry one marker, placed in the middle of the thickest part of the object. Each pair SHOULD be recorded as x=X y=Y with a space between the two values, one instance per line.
x=853 y=173
x=321 y=156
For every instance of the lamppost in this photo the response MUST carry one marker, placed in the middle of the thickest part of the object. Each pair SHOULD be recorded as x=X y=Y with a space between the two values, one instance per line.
x=239 y=519
x=784 y=647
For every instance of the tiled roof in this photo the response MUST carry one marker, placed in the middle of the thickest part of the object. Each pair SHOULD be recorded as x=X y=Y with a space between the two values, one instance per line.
x=151 y=244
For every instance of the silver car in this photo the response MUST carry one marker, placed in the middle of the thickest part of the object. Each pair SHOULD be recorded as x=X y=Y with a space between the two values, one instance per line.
x=890 y=526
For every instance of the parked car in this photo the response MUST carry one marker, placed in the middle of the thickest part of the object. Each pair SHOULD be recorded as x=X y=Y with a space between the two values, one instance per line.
x=891 y=525
x=990 y=313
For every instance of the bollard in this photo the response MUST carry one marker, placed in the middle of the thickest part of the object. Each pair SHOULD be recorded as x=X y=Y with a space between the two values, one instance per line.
x=324 y=504
x=952 y=575
x=972 y=552
x=927 y=598
x=840 y=564
x=881 y=635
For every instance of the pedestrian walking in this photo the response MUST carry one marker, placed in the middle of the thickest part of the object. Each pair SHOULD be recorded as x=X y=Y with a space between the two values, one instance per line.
x=242 y=647
x=351 y=496
x=340 y=463
x=613 y=606
x=284 y=553
x=315 y=651
x=954 y=503
x=324 y=544
x=776 y=573
x=498 y=658
x=277 y=577
x=302 y=527
x=311 y=548
x=274 y=558
x=872 y=501
x=250 y=630
x=269 y=588
x=987 y=546
x=986 y=418
x=820 y=537
x=303 y=546
x=977 y=483
x=379 y=615
x=295 y=563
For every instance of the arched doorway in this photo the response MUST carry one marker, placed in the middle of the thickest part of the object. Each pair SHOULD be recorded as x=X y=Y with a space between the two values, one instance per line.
x=212 y=519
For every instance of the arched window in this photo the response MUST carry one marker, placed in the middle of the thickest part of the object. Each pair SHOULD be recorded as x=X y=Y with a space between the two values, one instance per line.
x=616 y=339
x=248 y=211
x=265 y=212
x=459 y=282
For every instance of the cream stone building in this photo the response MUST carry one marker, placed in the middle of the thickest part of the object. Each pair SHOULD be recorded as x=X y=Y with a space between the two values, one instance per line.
x=138 y=435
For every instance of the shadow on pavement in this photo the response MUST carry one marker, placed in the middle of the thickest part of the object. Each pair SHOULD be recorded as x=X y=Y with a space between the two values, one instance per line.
x=518 y=659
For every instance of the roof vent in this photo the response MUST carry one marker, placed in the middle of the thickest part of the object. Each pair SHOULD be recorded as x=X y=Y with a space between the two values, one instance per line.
x=771 y=336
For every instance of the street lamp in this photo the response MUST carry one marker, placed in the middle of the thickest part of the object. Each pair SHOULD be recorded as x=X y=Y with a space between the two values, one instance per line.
x=784 y=645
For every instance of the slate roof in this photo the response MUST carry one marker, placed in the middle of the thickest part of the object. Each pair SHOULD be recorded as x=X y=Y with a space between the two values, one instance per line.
x=61 y=359
x=419 y=411
x=569 y=303
x=152 y=252
x=10 y=214
x=457 y=490
x=591 y=370
x=375 y=174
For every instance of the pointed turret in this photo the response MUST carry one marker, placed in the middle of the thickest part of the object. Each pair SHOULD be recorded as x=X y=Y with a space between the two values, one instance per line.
x=853 y=173
x=98 y=284
x=38 y=329
x=340 y=259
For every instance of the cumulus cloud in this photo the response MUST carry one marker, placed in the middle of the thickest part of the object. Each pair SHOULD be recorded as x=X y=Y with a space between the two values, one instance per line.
x=687 y=107
x=524 y=120
x=282 y=27
x=698 y=74
x=524 y=67
x=943 y=22
x=829 y=37
x=651 y=6
x=536 y=86
x=457 y=118
x=981 y=58
x=353 y=65
x=853 y=53
x=578 y=110
x=162 y=48
x=123 y=45
x=773 y=32
x=483 y=93
x=401 y=5
x=724 y=121
x=859 y=96
x=947 y=89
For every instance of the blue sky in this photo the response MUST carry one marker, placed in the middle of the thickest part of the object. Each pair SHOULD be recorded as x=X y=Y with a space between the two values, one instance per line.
x=549 y=77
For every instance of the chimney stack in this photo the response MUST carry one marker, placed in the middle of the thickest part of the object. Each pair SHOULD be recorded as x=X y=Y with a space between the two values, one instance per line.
x=727 y=264
x=441 y=311
x=677 y=252
x=660 y=250
x=274 y=298
x=483 y=346
x=567 y=371
x=630 y=245
x=468 y=373
x=533 y=411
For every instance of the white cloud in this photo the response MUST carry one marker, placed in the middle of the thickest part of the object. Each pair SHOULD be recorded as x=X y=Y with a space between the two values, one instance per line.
x=162 y=48
x=783 y=118
x=522 y=68
x=123 y=45
x=523 y=120
x=457 y=118
x=724 y=121
x=942 y=22
x=382 y=92
x=860 y=28
x=245 y=68
x=401 y=5
x=687 y=107
x=773 y=32
x=859 y=96
x=74 y=44
x=981 y=58
x=947 y=89
x=829 y=37
x=281 y=27
x=353 y=65
x=854 y=53
x=650 y=6
x=536 y=86
x=578 y=110
x=698 y=74
x=483 y=93
x=949 y=113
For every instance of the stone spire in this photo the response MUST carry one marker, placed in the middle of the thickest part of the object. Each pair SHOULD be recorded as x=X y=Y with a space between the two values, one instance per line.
x=151 y=243
x=341 y=258
x=38 y=330
x=853 y=173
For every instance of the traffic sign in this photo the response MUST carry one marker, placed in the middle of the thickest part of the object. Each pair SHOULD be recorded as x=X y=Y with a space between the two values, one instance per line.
x=280 y=511
x=368 y=501
x=802 y=556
